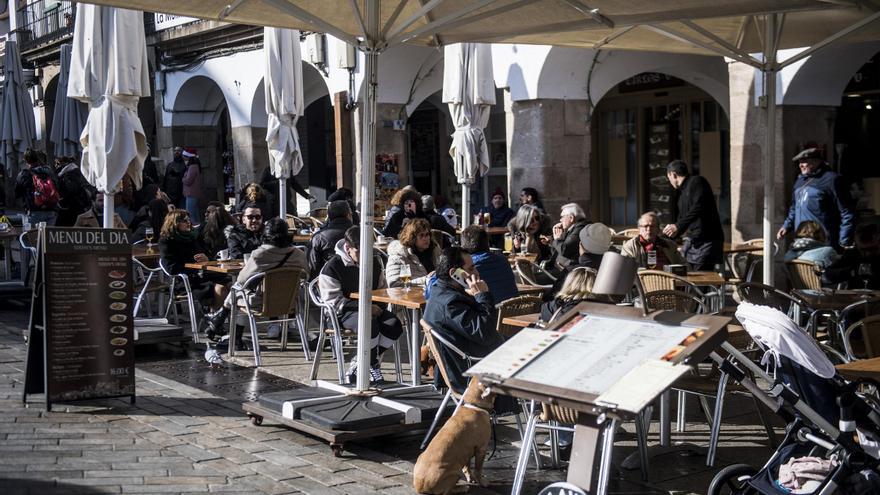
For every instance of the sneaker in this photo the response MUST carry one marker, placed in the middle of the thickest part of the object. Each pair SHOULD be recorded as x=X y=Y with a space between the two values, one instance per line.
x=273 y=331
x=376 y=375
x=351 y=374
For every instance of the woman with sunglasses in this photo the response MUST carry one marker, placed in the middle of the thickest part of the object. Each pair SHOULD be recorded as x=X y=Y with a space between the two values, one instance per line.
x=416 y=250
x=178 y=245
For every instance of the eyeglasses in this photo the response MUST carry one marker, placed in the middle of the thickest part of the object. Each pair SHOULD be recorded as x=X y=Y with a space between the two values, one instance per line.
x=253 y=217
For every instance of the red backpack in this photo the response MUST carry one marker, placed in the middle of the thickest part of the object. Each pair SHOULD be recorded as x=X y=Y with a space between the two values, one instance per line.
x=45 y=193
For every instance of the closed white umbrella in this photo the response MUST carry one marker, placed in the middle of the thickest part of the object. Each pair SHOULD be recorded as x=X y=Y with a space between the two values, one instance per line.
x=70 y=115
x=284 y=105
x=469 y=89
x=17 y=129
x=108 y=71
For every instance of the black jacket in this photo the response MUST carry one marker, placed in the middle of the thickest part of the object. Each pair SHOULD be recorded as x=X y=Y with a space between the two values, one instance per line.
x=550 y=308
x=465 y=321
x=75 y=191
x=340 y=278
x=24 y=185
x=696 y=211
x=172 y=183
x=439 y=223
x=395 y=222
x=567 y=250
x=177 y=252
x=242 y=241
x=322 y=246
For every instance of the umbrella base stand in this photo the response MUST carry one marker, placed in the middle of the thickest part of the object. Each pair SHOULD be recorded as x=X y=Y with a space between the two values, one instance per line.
x=339 y=414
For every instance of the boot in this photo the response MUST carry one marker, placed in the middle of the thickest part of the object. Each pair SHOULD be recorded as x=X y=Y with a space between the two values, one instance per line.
x=216 y=323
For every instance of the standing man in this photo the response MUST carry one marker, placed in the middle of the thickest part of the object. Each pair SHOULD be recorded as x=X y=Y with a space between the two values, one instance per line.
x=820 y=195
x=696 y=218
x=172 y=183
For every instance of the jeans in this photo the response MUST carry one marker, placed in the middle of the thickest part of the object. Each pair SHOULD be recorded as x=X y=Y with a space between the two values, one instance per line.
x=192 y=206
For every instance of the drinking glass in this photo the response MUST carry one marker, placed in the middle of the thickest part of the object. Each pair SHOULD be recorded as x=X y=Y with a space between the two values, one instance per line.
x=405 y=276
x=865 y=273
x=652 y=259
x=149 y=235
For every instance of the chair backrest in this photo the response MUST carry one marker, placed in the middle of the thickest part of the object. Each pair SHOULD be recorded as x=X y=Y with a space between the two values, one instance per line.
x=765 y=295
x=434 y=347
x=439 y=236
x=528 y=272
x=673 y=300
x=516 y=306
x=315 y=293
x=803 y=274
x=281 y=291
x=654 y=280
x=630 y=233
x=319 y=213
x=869 y=329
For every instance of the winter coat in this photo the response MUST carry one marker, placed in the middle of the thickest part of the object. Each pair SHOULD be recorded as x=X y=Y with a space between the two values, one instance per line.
x=399 y=255
x=567 y=249
x=340 y=278
x=811 y=250
x=192 y=181
x=242 y=241
x=176 y=252
x=438 y=222
x=24 y=186
x=495 y=270
x=634 y=249
x=264 y=258
x=696 y=214
x=172 y=183
x=91 y=220
x=394 y=224
x=323 y=244
x=822 y=197
x=467 y=322
x=558 y=306
x=76 y=194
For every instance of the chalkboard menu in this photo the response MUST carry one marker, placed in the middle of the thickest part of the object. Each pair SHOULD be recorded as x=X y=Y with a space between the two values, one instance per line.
x=84 y=290
x=660 y=192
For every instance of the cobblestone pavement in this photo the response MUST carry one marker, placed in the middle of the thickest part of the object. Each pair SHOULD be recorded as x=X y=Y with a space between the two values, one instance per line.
x=182 y=439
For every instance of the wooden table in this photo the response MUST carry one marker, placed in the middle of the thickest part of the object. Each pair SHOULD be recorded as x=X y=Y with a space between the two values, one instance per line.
x=530 y=289
x=706 y=278
x=142 y=253
x=302 y=238
x=489 y=230
x=522 y=321
x=863 y=368
x=833 y=300
x=742 y=248
x=231 y=267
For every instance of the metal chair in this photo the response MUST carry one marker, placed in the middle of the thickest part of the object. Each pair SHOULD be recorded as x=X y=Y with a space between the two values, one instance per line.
x=673 y=300
x=629 y=233
x=803 y=274
x=329 y=316
x=515 y=306
x=439 y=236
x=765 y=295
x=869 y=328
x=174 y=299
x=528 y=273
x=279 y=293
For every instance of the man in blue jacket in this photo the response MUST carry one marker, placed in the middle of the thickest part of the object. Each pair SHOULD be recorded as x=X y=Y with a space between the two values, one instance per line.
x=820 y=195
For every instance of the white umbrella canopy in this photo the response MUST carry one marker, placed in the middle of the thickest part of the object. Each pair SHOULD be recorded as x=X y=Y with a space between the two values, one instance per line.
x=70 y=115
x=469 y=89
x=109 y=72
x=17 y=128
x=284 y=105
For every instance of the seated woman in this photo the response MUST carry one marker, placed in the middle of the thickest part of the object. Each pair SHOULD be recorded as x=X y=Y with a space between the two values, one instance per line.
x=405 y=204
x=526 y=228
x=415 y=249
x=811 y=244
x=215 y=231
x=576 y=289
x=151 y=216
x=276 y=251
x=179 y=245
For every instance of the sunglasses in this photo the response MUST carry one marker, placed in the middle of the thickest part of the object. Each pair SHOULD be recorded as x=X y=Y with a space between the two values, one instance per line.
x=253 y=217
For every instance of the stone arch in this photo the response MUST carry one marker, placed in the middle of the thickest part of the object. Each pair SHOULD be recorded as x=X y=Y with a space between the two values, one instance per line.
x=564 y=72
x=199 y=102
x=314 y=88
x=821 y=78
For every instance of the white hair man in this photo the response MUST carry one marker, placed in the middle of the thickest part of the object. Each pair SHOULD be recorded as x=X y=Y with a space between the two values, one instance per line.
x=565 y=235
x=648 y=248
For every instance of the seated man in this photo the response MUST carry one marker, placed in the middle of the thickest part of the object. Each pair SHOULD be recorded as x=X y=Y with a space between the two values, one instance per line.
x=648 y=246
x=245 y=237
x=493 y=268
x=275 y=251
x=338 y=280
x=94 y=218
x=323 y=243
x=859 y=267
x=463 y=315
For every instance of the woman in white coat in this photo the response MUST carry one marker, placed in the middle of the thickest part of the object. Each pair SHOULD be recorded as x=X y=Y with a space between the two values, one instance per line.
x=417 y=250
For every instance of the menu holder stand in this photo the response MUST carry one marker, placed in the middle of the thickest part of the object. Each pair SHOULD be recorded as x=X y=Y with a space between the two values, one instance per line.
x=81 y=327
x=598 y=416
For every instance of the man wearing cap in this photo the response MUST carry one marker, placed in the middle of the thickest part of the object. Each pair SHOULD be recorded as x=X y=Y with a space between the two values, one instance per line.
x=820 y=195
x=696 y=218
x=172 y=183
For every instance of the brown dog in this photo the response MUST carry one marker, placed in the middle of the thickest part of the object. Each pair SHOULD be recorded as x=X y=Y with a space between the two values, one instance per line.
x=464 y=436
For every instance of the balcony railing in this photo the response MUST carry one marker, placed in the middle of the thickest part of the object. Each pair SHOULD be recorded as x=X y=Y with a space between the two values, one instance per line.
x=42 y=22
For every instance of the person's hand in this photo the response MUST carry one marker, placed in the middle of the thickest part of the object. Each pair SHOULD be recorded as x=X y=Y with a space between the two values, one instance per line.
x=516 y=242
x=558 y=232
x=476 y=285
x=375 y=310
x=200 y=258
x=781 y=233
x=670 y=230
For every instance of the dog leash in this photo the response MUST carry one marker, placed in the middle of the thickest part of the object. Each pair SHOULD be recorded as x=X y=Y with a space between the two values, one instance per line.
x=475 y=407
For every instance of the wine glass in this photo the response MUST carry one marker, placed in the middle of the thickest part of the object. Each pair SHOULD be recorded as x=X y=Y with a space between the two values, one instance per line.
x=865 y=273
x=149 y=235
x=652 y=259
x=405 y=276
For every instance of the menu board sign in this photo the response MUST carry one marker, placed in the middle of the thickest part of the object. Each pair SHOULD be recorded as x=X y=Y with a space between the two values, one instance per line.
x=87 y=301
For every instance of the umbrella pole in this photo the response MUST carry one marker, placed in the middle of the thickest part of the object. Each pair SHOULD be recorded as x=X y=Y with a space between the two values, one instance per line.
x=769 y=74
x=465 y=205
x=368 y=179
x=109 y=210
x=282 y=197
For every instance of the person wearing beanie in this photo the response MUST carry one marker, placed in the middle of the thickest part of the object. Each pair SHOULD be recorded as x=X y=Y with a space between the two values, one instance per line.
x=322 y=246
x=595 y=241
x=499 y=213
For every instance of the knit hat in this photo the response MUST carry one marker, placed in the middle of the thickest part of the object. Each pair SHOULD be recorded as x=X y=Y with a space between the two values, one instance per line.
x=595 y=238
x=337 y=209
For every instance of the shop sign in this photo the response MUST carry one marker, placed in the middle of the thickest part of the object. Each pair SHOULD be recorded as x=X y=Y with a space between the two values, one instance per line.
x=647 y=81
x=167 y=21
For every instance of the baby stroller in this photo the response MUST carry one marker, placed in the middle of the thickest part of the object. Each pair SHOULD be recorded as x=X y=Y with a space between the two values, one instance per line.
x=828 y=419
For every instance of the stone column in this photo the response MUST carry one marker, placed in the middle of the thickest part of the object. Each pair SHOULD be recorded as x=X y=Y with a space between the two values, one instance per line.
x=548 y=143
